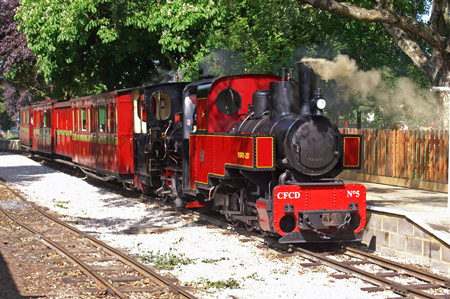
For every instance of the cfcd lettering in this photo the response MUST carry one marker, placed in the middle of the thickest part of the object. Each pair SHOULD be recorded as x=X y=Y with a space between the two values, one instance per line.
x=288 y=195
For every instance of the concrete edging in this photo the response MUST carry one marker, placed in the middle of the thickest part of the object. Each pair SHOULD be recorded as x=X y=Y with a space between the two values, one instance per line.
x=10 y=145
x=398 y=235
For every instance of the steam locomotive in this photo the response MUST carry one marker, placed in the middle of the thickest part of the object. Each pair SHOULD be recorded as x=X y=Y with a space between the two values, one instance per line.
x=256 y=148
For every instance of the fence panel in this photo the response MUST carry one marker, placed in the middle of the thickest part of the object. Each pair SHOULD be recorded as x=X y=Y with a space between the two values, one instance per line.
x=414 y=154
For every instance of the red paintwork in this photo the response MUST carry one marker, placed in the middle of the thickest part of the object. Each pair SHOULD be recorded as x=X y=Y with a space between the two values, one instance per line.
x=264 y=219
x=246 y=85
x=195 y=204
x=125 y=134
x=62 y=120
x=108 y=147
x=264 y=152
x=220 y=151
x=352 y=151
x=103 y=143
x=314 y=198
x=81 y=136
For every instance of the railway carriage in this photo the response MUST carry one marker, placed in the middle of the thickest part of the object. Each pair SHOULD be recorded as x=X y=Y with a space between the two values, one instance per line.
x=43 y=133
x=62 y=126
x=102 y=135
x=26 y=127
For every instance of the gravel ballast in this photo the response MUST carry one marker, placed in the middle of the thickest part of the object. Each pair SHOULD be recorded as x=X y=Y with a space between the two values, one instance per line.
x=213 y=261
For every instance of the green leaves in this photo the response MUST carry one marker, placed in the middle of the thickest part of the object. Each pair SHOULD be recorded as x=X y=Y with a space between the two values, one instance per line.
x=82 y=44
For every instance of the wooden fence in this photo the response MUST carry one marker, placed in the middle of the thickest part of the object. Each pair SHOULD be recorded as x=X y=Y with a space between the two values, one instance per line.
x=414 y=154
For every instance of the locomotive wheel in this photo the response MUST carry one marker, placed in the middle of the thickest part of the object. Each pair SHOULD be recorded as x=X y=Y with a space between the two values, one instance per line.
x=166 y=198
x=250 y=210
x=232 y=205
x=249 y=227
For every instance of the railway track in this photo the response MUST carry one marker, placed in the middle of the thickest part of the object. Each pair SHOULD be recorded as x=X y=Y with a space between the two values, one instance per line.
x=105 y=269
x=380 y=274
x=383 y=274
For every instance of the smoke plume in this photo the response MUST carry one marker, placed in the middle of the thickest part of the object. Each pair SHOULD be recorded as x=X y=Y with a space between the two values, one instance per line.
x=399 y=99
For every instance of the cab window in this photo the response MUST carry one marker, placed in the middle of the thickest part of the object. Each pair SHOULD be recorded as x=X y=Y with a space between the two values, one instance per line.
x=228 y=101
x=161 y=105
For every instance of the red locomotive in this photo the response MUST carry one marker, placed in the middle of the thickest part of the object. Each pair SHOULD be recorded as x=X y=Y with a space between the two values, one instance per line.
x=256 y=148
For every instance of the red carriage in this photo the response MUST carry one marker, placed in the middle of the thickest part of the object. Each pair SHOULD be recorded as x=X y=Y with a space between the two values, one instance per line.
x=26 y=127
x=42 y=140
x=102 y=135
x=62 y=126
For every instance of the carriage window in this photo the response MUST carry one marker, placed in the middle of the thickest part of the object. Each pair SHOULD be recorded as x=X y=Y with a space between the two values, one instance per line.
x=112 y=119
x=161 y=105
x=101 y=119
x=48 y=122
x=228 y=101
x=83 y=120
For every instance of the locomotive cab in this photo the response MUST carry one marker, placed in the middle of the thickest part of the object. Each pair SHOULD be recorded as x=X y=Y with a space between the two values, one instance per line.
x=157 y=137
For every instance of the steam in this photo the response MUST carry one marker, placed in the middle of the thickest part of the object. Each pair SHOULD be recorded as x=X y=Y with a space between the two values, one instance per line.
x=346 y=74
x=398 y=100
x=222 y=63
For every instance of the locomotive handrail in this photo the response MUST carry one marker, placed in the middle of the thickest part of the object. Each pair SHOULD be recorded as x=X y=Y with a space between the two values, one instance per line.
x=131 y=147
x=245 y=119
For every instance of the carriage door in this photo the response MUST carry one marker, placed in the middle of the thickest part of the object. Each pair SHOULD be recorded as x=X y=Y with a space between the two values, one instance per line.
x=140 y=136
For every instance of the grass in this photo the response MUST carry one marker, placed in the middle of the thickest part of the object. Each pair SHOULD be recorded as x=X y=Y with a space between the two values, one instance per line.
x=218 y=284
x=255 y=277
x=213 y=261
x=60 y=203
x=13 y=137
x=164 y=260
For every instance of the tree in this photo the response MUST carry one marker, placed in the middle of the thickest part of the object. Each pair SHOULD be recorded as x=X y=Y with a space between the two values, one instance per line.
x=5 y=120
x=18 y=70
x=278 y=33
x=426 y=44
x=89 y=46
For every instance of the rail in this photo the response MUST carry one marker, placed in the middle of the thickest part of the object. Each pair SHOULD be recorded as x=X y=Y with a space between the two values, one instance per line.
x=101 y=280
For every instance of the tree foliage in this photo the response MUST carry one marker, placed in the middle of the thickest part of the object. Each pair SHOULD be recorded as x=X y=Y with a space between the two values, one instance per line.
x=426 y=44
x=87 y=46
x=90 y=46
x=18 y=70
x=5 y=119
x=265 y=38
